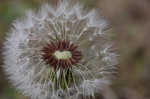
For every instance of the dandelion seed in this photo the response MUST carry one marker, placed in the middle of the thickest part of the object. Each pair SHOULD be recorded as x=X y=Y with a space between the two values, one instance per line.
x=59 y=53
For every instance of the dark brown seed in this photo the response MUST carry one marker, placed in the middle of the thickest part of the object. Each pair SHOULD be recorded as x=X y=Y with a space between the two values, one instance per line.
x=49 y=50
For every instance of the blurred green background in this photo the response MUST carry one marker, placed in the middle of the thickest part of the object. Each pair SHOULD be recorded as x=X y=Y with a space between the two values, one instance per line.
x=130 y=22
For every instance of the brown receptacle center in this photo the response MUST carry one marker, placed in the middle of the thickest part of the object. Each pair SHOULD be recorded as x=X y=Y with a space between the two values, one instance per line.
x=61 y=54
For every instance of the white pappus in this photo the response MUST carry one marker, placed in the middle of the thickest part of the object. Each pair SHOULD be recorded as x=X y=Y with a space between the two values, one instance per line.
x=60 y=52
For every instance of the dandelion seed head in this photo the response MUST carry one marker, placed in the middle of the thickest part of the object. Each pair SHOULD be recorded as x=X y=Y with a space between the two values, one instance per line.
x=59 y=53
